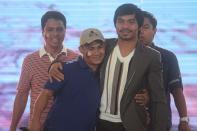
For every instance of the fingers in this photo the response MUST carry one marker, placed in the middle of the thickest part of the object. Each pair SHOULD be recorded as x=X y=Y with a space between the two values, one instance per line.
x=50 y=79
x=58 y=78
x=60 y=66
x=184 y=126
x=55 y=73
x=140 y=99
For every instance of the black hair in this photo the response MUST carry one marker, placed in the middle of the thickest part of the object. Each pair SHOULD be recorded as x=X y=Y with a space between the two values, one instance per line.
x=151 y=18
x=127 y=9
x=52 y=14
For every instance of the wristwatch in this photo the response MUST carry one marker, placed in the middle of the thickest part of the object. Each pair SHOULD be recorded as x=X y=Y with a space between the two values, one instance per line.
x=184 y=119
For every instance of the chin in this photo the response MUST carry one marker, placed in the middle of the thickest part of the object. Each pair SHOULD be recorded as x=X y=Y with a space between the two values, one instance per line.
x=55 y=45
x=97 y=62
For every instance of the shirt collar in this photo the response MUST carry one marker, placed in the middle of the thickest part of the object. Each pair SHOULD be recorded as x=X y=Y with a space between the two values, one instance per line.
x=43 y=52
x=82 y=63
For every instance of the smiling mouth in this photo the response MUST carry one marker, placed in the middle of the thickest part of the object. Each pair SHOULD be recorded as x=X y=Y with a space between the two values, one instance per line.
x=55 y=40
x=125 y=32
x=97 y=57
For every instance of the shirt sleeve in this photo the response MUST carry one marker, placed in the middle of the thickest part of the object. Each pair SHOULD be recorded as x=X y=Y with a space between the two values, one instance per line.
x=54 y=86
x=26 y=76
x=174 y=73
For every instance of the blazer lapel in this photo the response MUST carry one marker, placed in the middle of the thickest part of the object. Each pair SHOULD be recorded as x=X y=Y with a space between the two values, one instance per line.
x=133 y=75
x=133 y=68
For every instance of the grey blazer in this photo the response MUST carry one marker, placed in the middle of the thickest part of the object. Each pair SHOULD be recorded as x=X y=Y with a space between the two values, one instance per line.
x=145 y=70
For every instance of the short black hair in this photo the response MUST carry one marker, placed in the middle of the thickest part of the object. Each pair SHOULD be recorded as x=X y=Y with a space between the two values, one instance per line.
x=129 y=9
x=52 y=14
x=151 y=18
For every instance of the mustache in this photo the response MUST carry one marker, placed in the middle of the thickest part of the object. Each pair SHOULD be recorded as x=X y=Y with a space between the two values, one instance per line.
x=125 y=30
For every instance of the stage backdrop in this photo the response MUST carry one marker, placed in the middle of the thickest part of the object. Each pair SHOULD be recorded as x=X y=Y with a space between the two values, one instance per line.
x=20 y=35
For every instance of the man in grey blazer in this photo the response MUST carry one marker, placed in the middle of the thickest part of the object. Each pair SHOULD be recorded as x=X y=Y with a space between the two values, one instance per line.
x=127 y=68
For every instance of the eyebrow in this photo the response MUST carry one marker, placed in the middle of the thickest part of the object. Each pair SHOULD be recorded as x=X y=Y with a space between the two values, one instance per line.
x=147 y=25
x=119 y=18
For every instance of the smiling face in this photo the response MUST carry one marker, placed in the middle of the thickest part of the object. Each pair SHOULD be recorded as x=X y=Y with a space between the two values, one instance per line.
x=127 y=27
x=54 y=33
x=93 y=53
x=147 y=32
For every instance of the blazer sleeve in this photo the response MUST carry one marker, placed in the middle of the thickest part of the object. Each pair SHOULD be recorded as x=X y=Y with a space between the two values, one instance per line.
x=158 y=104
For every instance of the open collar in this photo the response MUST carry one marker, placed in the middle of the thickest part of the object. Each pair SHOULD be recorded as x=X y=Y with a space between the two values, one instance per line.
x=43 y=52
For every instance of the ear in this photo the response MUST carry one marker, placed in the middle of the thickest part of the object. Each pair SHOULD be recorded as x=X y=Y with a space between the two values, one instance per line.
x=81 y=49
x=43 y=33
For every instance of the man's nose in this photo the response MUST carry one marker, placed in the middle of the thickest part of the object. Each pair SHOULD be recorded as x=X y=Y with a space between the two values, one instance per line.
x=125 y=25
x=96 y=50
x=55 y=32
x=141 y=30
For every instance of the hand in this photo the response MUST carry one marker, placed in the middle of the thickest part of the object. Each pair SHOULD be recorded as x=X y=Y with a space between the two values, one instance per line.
x=12 y=128
x=54 y=72
x=184 y=126
x=35 y=126
x=142 y=97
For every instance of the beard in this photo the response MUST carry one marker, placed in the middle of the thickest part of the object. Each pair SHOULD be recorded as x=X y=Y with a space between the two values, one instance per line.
x=124 y=38
x=130 y=35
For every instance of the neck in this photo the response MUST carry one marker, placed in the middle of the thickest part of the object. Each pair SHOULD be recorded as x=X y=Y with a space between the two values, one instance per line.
x=93 y=67
x=53 y=51
x=126 y=46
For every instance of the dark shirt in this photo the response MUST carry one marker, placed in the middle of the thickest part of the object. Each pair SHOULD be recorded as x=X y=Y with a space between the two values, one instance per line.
x=77 y=99
x=171 y=74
